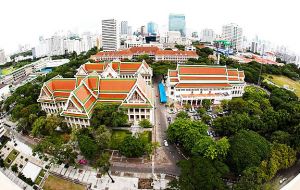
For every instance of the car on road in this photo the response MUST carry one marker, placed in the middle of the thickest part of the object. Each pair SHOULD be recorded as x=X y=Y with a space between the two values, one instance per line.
x=282 y=180
x=166 y=143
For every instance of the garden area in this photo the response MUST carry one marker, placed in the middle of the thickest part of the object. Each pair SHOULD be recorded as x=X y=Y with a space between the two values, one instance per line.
x=283 y=80
x=117 y=138
x=40 y=177
x=55 y=183
x=11 y=157
x=7 y=70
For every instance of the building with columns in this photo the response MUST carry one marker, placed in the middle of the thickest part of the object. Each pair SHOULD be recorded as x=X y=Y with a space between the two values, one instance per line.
x=193 y=83
x=75 y=98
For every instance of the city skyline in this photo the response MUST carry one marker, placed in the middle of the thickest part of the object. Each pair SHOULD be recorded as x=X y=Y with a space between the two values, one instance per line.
x=277 y=28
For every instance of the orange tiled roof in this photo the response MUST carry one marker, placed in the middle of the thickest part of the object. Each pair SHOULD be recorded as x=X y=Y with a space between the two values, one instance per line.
x=202 y=78
x=202 y=71
x=202 y=85
x=114 y=53
x=233 y=72
x=144 y=50
x=173 y=73
x=116 y=85
x=174 y=80
x=94 y=67
x=176 y=53
x=90 y=102
x=61 y=94
x=61 y=84
x=112 y=96
x=241 y=73
x=82 y=93
x=126 y=66
x=93 y=82
x=233 y=78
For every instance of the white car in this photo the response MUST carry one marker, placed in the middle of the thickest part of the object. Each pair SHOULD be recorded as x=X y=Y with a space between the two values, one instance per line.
x=166 y=143
x=282 y=180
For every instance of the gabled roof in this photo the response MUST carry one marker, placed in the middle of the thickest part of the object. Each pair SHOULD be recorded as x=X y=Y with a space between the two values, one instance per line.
x=173 y=73
x=202 y=78
x=176 y=53
x=61 y=84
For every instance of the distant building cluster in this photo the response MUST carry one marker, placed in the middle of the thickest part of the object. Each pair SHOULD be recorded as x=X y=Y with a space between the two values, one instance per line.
x=60 y=45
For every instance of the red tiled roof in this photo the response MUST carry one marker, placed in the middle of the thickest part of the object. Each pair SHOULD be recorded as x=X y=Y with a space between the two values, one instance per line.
x=93 y=82
x=202 y=78
x=202 y=70
x=126 y=66
x=176 y=53
x=233 y=78
x=114 y=53
x=202 y=85
x=116 y=85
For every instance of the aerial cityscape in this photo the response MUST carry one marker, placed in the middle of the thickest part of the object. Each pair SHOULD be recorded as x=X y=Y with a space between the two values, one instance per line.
x=182 y=95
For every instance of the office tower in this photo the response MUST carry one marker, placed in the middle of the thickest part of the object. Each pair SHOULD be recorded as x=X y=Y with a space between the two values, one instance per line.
x=143 y=30
x=195 y=35
x=152 y=28
x=207 y=35
x=110 y=36
x=177 y=23
x=233 y=33
x=124 y=27
x=129 y=30
x=2 y=56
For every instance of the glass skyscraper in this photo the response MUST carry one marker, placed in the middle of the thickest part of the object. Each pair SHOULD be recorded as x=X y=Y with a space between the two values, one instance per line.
x=151 y=28
x=177 y=23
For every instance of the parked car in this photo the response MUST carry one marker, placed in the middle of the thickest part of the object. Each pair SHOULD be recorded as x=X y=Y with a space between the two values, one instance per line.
x=169 y=119
x=166 y=143
x=282 y=180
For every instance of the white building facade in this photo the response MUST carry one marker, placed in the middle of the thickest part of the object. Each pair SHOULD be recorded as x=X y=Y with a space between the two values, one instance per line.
x=190 y=84
x=234 y=34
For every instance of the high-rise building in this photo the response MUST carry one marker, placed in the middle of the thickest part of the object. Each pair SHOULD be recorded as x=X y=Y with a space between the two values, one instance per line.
x=129 y=30
x=152 y=28
x=194 y=34
x=110 y=36
x=2 y=56
x=177 y=23
x=143 y=30
x=124 y=27
x=207 y=35
x=233 y=33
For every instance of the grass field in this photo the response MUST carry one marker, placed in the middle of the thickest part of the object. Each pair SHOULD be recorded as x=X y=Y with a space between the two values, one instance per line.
x=282 y=80
x=55 y=183
x=7 y=71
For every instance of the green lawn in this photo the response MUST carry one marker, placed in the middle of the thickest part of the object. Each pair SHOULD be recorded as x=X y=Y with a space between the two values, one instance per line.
x=117 y=138
x=40 y=177
x=146 y=136
x=282 y=80
x=55 y=183
x=7 y=70
x=12 y=156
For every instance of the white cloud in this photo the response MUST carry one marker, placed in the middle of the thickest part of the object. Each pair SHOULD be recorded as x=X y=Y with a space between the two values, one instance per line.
x=24 y=21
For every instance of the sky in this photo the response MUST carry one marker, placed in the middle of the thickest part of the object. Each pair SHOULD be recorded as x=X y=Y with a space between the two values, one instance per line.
x=22 y=22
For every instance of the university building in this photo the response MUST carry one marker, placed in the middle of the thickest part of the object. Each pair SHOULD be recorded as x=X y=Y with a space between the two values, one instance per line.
x=190 y=84
x=154 y=52
x=122 y=83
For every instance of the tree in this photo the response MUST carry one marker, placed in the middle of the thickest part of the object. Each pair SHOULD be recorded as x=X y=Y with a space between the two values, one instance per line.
x=87 y=146
x=200 y=173
x=247 y=149
x=205 y=118
x=108 y=115
x=211 y=149
x=145 y=123
x=103 y=164
x=180 y=47
x=14 y=168
x=102 y=137
x=201 y=111
x=281 y=137
x=183 y=115
x=132 y=147
x=206 y=103
x=38 y=125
